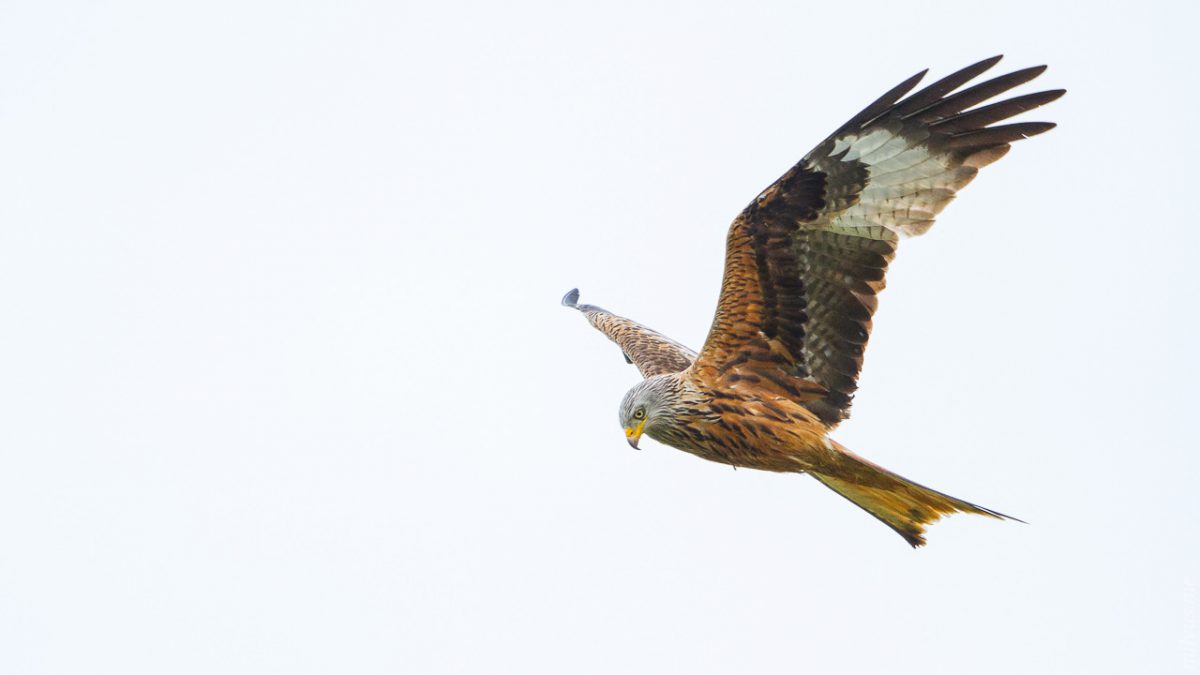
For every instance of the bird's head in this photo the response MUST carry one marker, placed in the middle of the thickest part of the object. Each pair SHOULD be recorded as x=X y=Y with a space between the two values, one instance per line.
x=646 y=407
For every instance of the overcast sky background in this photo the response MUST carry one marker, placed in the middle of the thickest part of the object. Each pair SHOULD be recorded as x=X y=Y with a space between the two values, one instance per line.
x=285 y=385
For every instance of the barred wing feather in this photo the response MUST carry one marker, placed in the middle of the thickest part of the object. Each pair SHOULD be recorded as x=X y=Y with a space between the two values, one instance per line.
x=649 y=350
x=806 y=259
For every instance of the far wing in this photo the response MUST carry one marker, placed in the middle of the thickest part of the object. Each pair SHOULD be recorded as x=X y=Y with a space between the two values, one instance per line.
x=651 y=352
x=805 y=261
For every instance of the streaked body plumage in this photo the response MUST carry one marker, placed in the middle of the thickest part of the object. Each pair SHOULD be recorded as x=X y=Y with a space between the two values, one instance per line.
x=804 y=264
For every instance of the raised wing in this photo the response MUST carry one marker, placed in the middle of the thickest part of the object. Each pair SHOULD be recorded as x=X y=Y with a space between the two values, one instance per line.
x=651 y=352
x=805 y=261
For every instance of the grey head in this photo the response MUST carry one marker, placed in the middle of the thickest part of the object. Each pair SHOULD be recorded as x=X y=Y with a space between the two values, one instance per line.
x=648 y=406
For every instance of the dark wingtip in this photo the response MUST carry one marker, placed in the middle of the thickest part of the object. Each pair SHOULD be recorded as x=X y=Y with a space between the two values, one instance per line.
x=571 y=299
x=1033 y=71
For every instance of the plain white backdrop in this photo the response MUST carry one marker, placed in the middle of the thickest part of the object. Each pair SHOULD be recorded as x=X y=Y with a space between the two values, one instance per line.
x=285 y=386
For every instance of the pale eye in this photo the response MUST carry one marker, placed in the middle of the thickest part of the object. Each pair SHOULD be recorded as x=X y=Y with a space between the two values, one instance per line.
x=639 y=414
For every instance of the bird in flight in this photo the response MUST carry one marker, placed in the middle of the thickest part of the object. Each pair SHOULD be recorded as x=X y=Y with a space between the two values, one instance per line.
x=804 y=264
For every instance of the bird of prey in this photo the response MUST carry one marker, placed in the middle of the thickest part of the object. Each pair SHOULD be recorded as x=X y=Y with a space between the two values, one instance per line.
x=804 y=264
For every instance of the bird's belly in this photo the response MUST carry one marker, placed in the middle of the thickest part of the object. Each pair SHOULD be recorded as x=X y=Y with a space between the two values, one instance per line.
x=787 y=447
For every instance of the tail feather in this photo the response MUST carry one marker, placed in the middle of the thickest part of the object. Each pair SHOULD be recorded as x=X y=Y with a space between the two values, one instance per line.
x=899 y=503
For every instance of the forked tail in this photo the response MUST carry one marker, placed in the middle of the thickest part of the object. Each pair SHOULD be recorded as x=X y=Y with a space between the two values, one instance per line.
x=901 y=504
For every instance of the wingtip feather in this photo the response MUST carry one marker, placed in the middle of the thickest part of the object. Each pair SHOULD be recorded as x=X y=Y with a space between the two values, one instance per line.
x=571 y=299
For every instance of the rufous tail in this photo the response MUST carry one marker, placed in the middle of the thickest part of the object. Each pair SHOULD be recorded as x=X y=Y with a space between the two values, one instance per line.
x=901 y=504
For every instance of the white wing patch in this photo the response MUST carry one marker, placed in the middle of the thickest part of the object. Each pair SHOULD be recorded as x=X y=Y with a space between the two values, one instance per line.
x=861 y=145
x=908 y=184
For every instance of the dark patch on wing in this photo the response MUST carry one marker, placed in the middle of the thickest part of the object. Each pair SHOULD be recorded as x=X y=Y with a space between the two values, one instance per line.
x=799 y=291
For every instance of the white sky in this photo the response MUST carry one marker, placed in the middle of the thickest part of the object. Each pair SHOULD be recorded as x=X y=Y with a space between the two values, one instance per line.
x=285 y=386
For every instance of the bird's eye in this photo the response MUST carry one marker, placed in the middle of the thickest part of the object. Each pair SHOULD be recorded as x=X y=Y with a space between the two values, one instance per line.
x=639 y=414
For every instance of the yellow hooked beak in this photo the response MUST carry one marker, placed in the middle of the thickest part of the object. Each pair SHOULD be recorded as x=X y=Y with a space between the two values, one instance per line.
x=632 y=434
